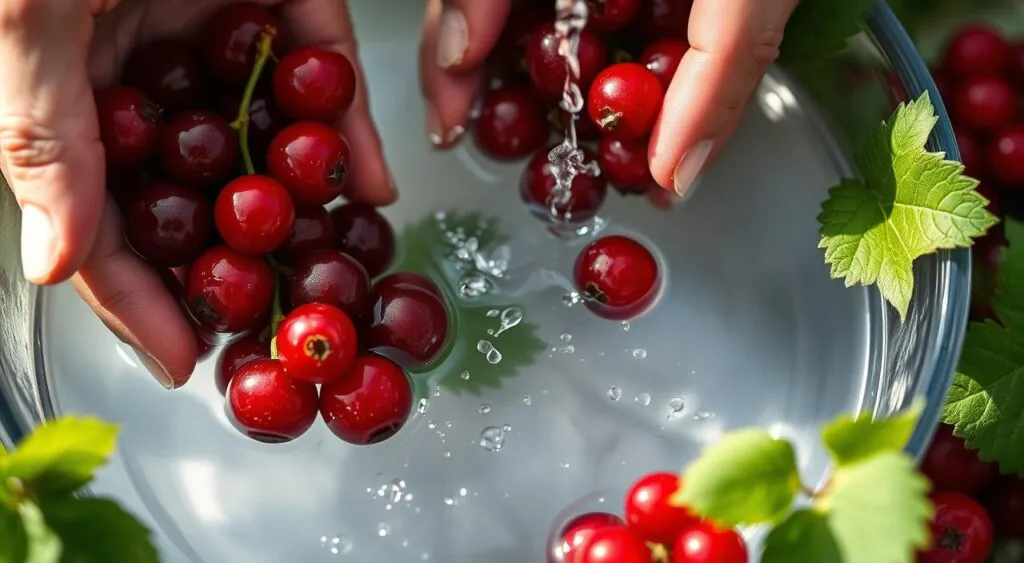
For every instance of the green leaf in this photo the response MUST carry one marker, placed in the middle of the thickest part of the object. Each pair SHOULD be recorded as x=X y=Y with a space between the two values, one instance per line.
x=13 y=538
x=850 y=439
x=44 y=545
x=747 y=477
x=911 y=202
x=820 y=28
x=96 y=530
x=804 y=536
x=62 y=455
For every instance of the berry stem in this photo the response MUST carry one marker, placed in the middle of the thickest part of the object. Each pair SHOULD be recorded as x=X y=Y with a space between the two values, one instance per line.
x=241 y=123
x=276 y=314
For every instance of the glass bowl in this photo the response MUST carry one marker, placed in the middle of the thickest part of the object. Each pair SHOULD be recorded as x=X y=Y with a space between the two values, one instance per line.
x=537 y=403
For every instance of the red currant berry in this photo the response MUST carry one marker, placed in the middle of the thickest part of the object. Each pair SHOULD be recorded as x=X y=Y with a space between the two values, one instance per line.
x=254 y=214
x=547 y=67
x=311 y=160
x=229 y=40
x=370 y=403
x=512 y=124
x=976 y=50
x=586 y=193
x=970 y=154
x=227 y=291
x=624 y=163
x=314 y=83
x=251 y=347
x=662 y=57
x=129 y=124
x=953 y=467
x=409 y=278
x=168 y=72
x=1015 y=68
x=1006 y=156
x=1006 y=507
x=625 y=100
x=312 y=230
x=617 y=276
x=316 y=343
x=410 y=321
x=365 y=235
x=168 y=225
x=657 y=19
x=269 y=406
x=984 y=103
x=648 y=510
x=613 y=544
x=507 y=64
x=578 y=531
x=610 y=15
x=961 y=531
x=265 y=118
x=334 y=278
x=706 y=543
x=198 y=147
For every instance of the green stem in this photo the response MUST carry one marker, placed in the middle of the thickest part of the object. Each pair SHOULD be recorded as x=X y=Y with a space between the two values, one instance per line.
x=241 y=123
x=276 y=314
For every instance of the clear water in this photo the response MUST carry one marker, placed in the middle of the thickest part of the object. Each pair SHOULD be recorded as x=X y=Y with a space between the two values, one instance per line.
x=749 y=331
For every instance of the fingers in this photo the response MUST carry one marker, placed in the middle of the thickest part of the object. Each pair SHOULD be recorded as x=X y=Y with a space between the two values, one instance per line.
x=732 y=42
x=327 y=23
x=131 y=299
x=467 y=31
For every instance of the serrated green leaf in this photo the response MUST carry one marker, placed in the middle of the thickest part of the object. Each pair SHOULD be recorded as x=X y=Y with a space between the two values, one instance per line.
x=13 y=539
x=820 y=28
x=852 y=439
x=804 y=536
x=62 y=455
x=911 y=202
x=747 y=477
x=44 y=545
x=95 y=530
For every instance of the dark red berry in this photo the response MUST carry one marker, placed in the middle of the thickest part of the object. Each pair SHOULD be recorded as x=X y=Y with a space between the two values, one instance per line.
x=613 y=544
x=961 y=531
x=269 y=406
x=970 y=154
x=314 y=83
x=648 y=511
x=227 y=291
x=578 y=531
x=311 y=230
x=365 y=235
x=547 y=67
x=370 y=403
x=657 y=19
x=976 y=50
x=311 y=160
x=409 y=321
x=952 y=467
x=625 y=99
x=126 y=183
x=265 y=118
x=334 y=278
x=662 y=57
x=198 y=147
x=507 y=63
x=586 y=193
x=316 y=343
x=409 y=278
x=229 y=40
x=705 y=542
x=1015 y=67
x=1006 y=156
x=617 y=276
x=512 y=124
x=586 y=130
x=251 y=347
x=624 y=163
x=129 y=124
x=1006 y=507
x=254 y=214
x=168 y=72
x=168 y=225
x=984 y=103
x=610 y=15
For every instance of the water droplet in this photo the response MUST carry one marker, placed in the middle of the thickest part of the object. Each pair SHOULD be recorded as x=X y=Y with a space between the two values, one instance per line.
x=431 y=425
x=527 y=400
x=614 y=393
x=565 y=337
x=703 y=415
x=485 y=408
x=463 y=492
x=510 y=317
x=493 y=313
x=564 y=465
x=675 y=404
x=397 y=488
x=572 y=298
x=447 y=453
x=625 y=326
x=491 y=353
x=465 y=376
x=474 y=284
x=440 y=215
x=507 y=428
x=639 y=354
x=338 y=545
x=449 y=501
x=567 y=349
x=643 y=399
x=492 y=438
x=423 y=405
x=436 y=391
x=383 y=529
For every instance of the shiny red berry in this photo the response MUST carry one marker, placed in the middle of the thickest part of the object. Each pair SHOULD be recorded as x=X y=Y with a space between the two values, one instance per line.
x=254 y=214
x=314 y=83
x=618 y=277
x=227 y=291
x=586 y=193
x=578 y=531
x=512 y=124
x=229 y=38
x=663 y=56
x=547 y=67
x=984 y=103
x=625 y=100
x=952 y=467
x=705 y=542
x=976 y=50
x=311 y=160
x=365 y=235
x=251 y=347
x=613 y=544
x=961 y=531
x=198 y=147
x=408 y=321
x=370 y=403
x=409 y=278
x=657 y=19
x=334 y=278
x=168 y=72
x=1006 y=156
x=1006 y=506
x=269 y=406
x=316 y=343
x=168 y=225
x=610 y=15
x=129 y=124
x=624 y=163
x=648 y=508
x=311 y=230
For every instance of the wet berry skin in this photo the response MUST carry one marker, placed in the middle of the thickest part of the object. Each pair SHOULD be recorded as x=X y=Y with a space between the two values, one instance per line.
x=229 y=40
x=547 y=67
x=706 y=543
x=198 y=147
x=311 y=230
x=1006 y=156
x=577 y=531
x=617 y=276
x=648 y=512
x=168 y=72
x=409 y=321
x=662 y=57
x=269 y=406
x=613 y=544
x=334 y=278
x=254 y=214
x=370 y=403
x=512 y=124
x=610 y=15
x=129 y=124
x=311 y=160
x=168 y=225
x=314 y=83
x=228 y=292
x=624 y=163
x=961 y=531
x=365 y=235
x=976 y=50
x=251 y=347
x=410 y=278
x=587 y=192
x=625 y=99
x=950 y=466
x=984 y=103
x=316 y=343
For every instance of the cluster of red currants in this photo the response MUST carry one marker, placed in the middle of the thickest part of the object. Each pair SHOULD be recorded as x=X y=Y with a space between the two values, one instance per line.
x=651 y=530
x=225 y=174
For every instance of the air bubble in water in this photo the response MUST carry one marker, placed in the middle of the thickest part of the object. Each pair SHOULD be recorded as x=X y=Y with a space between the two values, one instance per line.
x=493 y=313
x=615 y=392
x=643 y=399
x=565 y=337
x=485 y=409
x=436 y=391
x=507 y=428
x=423 y=405
x=397 y=489
x=639 y=354
x=572 y=298
x=510 y=317
x=338 y=545
x=492 y=438
x=675 y=404
x=567 y=349
x=465 y=376
x=449 y=501
x=474 y=284
x=491 y=353
x=463 y=492
x=527 y=400
x=625 y=326
x=703 y=415
x=383 y=529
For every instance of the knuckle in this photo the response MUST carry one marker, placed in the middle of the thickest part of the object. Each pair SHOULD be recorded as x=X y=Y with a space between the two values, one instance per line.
x=764 y=50
x=27 y=147
x=116 y=300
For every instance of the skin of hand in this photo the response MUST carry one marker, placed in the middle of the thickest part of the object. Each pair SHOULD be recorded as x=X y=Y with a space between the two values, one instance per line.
x=55 y=53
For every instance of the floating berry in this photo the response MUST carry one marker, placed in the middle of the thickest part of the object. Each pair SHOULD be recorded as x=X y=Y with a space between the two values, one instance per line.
x=408 y=320
x=952 y=467
x=229 y=40
x=657 y=19
x=370 y=403
x=129 y=124
x=198 y=147
x=409 y=278
x=316 y=343
x=311 y=230
x=168 y=225
x=648 y=511
x=314 y=83
x=512 y=124
x=706 y=543
x=618 y=276
x=547 y=67
x=984 y=103
x=610 y=15
x=613 y=544
x=578 y=531
x=254 y=214
x=168 y=72
x=251 y=347
x=334 y=278
x=586 y=193
x=662 y=57
x=976 y=50
x=365 y=235
x=311 y=160
x=227 y=291
x=961 y=531
x=625 y=100
x=624 y=163
x=1006 y=156
x=269 y=406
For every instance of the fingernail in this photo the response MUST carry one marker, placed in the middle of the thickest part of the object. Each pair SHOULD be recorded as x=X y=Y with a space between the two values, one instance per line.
x=37 y=242
x=452 y=38
x=155 y=369
x=689 y=167
x=435 y=128
x=454 y=135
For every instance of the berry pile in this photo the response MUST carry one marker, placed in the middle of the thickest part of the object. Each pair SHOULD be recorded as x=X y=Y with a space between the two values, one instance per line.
x=651 y=530
x=223 y=159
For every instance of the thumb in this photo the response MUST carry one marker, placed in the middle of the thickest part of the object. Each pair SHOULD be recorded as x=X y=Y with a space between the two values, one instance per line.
x=50 y=152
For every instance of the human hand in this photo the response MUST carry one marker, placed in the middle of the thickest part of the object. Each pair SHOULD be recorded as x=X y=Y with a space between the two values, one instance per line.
x=54 y=54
